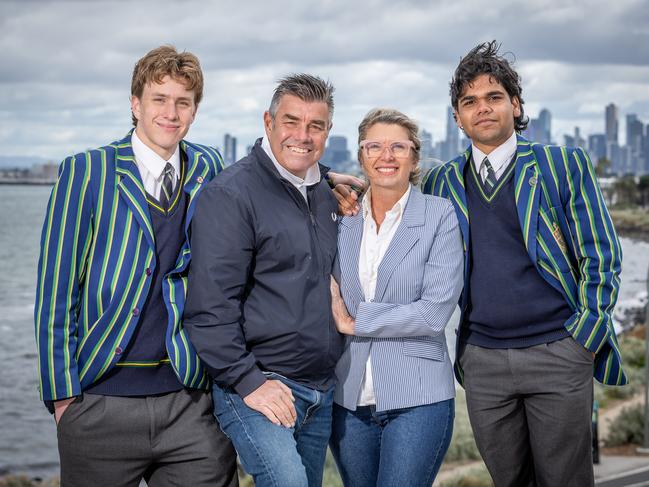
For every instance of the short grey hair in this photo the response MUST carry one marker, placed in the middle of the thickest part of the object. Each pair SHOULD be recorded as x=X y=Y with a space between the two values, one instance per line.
x=390 y=116
x=307 y=88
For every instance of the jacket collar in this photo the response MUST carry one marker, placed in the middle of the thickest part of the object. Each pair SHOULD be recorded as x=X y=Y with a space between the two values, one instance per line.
x=131 y=189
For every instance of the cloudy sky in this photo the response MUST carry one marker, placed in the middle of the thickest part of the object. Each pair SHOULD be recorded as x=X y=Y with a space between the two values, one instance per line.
x=66 y=65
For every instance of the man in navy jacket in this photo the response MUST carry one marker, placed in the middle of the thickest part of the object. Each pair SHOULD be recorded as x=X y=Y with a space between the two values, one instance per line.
x=258 y=310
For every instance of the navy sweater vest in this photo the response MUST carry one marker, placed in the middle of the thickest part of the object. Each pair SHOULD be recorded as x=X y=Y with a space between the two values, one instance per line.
x=511 y=305
x=144 y=368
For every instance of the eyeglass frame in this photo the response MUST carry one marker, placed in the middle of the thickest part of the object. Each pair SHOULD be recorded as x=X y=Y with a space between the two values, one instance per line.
x=387 y=144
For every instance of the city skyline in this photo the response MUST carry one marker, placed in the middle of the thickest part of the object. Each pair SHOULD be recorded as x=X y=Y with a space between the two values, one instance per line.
x=68 y=64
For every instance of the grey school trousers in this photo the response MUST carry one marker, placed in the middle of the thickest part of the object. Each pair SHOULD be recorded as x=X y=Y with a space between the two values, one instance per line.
x=531 y=412
x=167 y=440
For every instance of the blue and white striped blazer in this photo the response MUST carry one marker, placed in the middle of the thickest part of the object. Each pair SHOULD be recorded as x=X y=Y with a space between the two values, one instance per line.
x=418 y=284
x=97 y=256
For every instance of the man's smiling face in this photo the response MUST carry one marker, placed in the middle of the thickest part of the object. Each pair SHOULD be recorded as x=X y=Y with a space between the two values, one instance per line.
x=297 y=133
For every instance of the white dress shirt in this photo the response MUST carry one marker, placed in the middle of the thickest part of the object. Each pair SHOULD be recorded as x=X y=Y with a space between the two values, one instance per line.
x=499 y=158
x=373 y=247
x=312 y=174
x=151 y=166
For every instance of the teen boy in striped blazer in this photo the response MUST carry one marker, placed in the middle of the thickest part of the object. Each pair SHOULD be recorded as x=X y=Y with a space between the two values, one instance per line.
x=541 y=278
x=127 y=389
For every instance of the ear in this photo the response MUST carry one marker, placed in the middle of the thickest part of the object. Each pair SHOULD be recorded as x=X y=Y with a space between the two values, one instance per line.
x=268 y=123
x=135 y=107
x=456 y=117
x=517 y=106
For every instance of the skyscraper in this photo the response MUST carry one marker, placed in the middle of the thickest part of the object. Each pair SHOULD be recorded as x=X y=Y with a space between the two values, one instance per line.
x=612 y=145
x=229 y=149
x=426 y=138
x=540 y=129
x=545 y=125
x=611 y=123
x=597 y=147
x=336 y=153
x=451 y=145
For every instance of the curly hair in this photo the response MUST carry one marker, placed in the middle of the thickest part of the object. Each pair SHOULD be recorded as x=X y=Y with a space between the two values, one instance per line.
x=167 y=61
x=484 y=59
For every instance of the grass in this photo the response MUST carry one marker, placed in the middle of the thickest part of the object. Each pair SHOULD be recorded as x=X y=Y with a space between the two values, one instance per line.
x=632 y=222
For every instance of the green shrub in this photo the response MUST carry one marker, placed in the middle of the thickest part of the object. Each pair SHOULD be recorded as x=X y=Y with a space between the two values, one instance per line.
x=478 y=477
x=24 y=481
x=633 y=352
x=627 y=427
x=331 y=476
x=463 y=445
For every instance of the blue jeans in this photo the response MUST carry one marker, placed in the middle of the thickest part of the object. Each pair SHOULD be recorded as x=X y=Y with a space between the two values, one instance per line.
x=275 y=455
x=388 y=448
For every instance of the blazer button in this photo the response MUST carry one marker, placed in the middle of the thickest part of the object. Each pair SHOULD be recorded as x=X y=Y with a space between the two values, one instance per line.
x=118 y=351
x=148 y=271
x=136 y=311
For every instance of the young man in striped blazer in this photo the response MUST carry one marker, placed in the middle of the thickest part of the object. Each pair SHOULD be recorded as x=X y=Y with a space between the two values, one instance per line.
x=128 y=392
x=542 y=264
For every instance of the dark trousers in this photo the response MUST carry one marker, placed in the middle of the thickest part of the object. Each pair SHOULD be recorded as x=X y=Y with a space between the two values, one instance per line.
x=167 y=440
x=530 y=410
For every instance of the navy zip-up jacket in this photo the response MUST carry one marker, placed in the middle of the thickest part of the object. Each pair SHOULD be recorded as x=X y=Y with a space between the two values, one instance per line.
x=258 y=297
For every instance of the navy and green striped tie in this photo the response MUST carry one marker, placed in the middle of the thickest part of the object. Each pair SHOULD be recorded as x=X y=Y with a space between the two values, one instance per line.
x=490 y=180
x=167 y=186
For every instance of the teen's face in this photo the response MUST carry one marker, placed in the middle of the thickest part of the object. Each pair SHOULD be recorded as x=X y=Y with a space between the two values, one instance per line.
x=164 y=114
x=486 y=113
x=388 y=170
x=298 y=132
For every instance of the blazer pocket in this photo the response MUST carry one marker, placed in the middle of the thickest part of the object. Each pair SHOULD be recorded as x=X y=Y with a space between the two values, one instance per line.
x=424 y=347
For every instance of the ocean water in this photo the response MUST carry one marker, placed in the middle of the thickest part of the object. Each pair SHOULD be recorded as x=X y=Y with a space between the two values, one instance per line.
x=27 y=431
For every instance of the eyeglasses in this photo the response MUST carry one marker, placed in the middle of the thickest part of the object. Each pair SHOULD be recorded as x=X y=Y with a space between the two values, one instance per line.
x=398 y=148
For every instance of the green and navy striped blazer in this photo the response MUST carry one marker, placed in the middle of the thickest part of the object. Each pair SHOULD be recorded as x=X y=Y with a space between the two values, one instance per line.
x=96 y=264
x=568 y=234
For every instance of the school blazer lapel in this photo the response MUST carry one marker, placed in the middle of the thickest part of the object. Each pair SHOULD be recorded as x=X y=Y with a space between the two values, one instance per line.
x=196 y=176
x=131 y=189
x=527 y=191
x=457 y=193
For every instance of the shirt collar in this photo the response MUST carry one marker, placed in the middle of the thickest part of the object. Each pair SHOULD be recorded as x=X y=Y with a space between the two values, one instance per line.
x=312 y=174
x=394 y=212
x=151 y=161
x=499 y=157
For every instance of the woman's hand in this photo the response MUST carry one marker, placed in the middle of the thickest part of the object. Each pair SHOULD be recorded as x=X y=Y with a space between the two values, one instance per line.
x=344 y=322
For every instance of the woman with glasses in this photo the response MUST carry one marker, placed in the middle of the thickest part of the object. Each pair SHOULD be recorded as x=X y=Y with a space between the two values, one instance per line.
x=400 y=274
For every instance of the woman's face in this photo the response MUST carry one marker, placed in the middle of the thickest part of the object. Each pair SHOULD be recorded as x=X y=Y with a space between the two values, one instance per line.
x=388 y=156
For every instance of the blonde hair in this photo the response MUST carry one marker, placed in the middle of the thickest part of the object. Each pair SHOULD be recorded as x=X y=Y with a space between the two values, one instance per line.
x=391 y=116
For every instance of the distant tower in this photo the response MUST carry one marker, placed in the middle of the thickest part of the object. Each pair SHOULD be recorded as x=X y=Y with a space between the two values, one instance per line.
x=426 y=139
x=336 y=153
x=229 y=149
x=545 y=125
x=452 y=135
x=611 y=123
x=612 y=145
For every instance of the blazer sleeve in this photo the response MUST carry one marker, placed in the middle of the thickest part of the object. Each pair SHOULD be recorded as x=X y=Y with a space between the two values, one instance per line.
x=441 y=287
x=433 y=181
x=63 y=252
x=598 y=252
x=222 y=243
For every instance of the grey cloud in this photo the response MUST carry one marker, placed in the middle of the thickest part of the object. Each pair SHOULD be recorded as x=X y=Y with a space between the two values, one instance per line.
x=66 y=65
